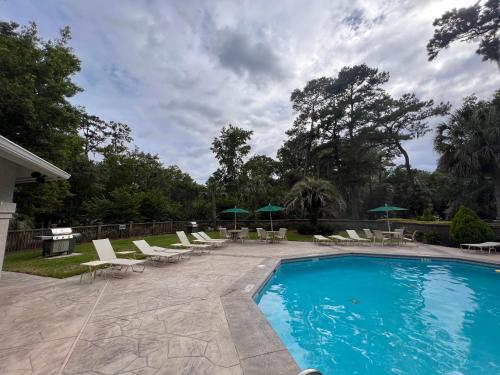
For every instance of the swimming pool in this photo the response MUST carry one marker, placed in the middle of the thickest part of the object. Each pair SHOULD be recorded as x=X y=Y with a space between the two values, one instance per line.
x=374 y=315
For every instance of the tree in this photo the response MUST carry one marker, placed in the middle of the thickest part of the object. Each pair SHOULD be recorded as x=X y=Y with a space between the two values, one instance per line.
x=333 y=134
x=479 y=22
x=348 y=129
x=315 y=196
x=212 y=191
x=35 y=84
x=258 y=179
x=405 y=119
x=469 y=143
x=230 y=148
x=122 y=205
x=309 y=103
x=93 y=131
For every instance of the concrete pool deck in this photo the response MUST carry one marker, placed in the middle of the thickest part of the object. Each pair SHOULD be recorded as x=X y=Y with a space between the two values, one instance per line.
x=192 y=317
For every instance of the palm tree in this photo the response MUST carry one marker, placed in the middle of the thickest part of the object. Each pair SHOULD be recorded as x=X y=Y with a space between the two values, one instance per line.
x=469 y=143
x=314 y=196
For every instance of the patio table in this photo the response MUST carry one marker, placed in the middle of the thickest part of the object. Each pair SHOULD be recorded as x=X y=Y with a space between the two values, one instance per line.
x=93 y=266
x=391 y=233
x=394 y=235
x=234 y=233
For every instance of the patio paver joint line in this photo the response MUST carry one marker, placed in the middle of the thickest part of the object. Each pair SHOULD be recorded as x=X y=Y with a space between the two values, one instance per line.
x=72 y=348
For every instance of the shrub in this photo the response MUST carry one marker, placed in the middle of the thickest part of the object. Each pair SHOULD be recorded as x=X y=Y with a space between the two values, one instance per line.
x=309 y=229
x=427 y=215
x=432 y=237
x=467 y=227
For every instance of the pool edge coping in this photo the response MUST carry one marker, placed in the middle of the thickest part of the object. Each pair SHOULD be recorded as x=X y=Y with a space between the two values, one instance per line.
x=262 y=352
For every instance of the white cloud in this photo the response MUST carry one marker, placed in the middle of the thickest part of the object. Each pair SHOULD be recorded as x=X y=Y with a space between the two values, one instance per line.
x=178 y=71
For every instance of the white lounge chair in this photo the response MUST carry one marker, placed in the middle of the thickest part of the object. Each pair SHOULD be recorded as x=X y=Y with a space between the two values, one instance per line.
x=183 y=252
x=353 y=235
x=207 y=237
x=481 y=246
x=340 y=239
x=319 y=239
x=106 y=253
x=200 y=239
x=200 y=249
x=154 y=255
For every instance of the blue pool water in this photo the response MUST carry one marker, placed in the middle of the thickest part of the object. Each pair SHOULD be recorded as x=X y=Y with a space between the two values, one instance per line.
x=367 y=315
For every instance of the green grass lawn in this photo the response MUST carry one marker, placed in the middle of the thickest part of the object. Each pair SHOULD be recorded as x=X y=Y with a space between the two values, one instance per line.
x=32 y=261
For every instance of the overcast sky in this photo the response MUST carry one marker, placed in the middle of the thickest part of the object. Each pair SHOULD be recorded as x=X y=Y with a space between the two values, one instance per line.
x=177 y=71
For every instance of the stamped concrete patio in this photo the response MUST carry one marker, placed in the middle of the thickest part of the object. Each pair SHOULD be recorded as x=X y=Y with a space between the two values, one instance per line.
x=192 y=317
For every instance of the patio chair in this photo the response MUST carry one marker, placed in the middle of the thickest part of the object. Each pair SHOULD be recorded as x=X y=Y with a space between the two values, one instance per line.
x=321 y=240
x=338 y=239
x=379 y=236
x=412 y=239
x=199 y=239
x=264 y=236
x=207 y=237
x=154 y=255
x=182 y=252
x=223 y=234
x=197 y=249
x=258 y=233
x=106 y=253
x=353 y=235
x=281 y=235
x=399 y=237
x=369 y=235
x=244 y=234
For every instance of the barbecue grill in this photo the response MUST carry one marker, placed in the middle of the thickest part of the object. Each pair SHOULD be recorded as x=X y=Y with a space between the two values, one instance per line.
x=192 y=226
x=61 y=240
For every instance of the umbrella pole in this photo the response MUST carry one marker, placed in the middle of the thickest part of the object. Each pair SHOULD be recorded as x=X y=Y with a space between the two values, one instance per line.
x=388 y=222
x=235 y=220
x=271 y=218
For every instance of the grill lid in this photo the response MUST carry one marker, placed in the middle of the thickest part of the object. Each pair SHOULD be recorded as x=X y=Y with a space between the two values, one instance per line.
x=60 y=231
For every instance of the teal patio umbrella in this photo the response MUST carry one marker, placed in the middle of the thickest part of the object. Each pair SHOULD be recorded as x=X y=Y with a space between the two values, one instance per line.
x=235 y=211
x=385 y=208
x=270 y=208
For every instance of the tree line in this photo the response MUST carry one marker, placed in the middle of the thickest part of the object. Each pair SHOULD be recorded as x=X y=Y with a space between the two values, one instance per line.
x=338 y=158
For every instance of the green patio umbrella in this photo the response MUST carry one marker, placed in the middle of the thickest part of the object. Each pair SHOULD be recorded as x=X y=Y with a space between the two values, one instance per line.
x=235 y=211
x=385 y=208
x=270 y=208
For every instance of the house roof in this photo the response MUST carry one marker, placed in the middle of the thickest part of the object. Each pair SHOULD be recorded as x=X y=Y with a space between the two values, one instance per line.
x=28 y=163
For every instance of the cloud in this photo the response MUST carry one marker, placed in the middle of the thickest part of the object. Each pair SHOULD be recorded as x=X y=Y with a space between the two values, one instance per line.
x=248 y=56
x=177 y=72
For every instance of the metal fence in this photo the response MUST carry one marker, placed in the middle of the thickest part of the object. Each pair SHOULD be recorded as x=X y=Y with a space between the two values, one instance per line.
x=18 y=240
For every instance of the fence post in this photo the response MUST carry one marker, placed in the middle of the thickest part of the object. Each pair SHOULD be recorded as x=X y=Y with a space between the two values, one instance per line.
x=130 y=228
x=153 y=228
x=99 y=230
